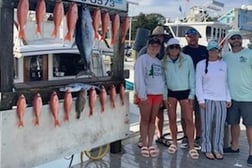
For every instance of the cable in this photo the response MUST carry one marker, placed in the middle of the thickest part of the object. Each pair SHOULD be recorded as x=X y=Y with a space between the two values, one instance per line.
x=71 y=160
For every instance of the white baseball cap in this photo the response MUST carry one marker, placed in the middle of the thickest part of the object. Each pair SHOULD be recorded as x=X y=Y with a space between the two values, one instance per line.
x=173 y=41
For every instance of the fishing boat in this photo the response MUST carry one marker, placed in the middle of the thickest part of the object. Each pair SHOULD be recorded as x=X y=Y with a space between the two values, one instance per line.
x=48 y=67
x=197 y=19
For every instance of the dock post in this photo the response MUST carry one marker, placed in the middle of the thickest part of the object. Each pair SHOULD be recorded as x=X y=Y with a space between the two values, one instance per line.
x=115 y=147
x=6 y=45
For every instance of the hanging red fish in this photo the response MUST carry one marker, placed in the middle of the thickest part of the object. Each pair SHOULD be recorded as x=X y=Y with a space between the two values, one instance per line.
x=115 y=28
x=22 y=15
x=68 y=100
x=21 y=105
x=37 y=107
x=71 y=19
x=54 y=107
x=125 y=28
x=58 y=14
x=122 y=94
x=92 y=100
x=103 y=97
x=96 y=21
x=113 y=96
x=105 y=24
x=40 y=14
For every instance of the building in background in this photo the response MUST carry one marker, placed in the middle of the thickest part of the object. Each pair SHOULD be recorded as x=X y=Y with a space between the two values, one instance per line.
x=240 y=19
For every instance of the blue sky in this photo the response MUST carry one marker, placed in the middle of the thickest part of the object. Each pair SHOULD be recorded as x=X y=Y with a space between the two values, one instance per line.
x=170 y=8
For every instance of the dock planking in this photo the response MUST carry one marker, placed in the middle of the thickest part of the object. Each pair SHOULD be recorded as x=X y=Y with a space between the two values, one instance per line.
x=130 y=157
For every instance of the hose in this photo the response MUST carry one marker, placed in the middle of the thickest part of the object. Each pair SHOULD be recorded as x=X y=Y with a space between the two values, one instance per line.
x=102 y=151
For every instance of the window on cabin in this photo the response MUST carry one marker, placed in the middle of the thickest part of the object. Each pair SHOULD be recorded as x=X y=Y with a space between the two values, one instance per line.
x=36 y=73
x=35 y=68
x=218 y=33
x=16 y=68
x=214 y=32
x=70 y=64
x=223 y=33
x=67 y=64
x=208 y=32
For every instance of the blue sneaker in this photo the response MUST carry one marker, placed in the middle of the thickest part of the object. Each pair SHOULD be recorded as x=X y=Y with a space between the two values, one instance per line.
x=249 y=161
x=230 y=150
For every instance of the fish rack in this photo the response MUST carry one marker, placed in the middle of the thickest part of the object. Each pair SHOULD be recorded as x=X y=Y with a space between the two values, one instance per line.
x=41 y=144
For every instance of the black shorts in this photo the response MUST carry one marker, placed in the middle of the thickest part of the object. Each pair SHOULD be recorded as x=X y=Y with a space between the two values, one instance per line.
x=179 y=95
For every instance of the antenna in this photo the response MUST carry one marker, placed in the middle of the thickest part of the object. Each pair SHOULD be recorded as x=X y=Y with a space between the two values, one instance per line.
x=215 y=5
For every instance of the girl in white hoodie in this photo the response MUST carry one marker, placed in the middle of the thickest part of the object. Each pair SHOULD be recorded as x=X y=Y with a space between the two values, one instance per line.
x=149 y=85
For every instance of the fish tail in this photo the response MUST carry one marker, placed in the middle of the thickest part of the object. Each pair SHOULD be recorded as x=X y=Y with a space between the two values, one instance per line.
x=20 y=123
x=21 y=33
x=68 y=37
x=66 y=118
x=56 y=123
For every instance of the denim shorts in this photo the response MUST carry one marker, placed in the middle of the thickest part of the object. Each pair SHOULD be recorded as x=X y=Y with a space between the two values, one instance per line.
x=238 y=110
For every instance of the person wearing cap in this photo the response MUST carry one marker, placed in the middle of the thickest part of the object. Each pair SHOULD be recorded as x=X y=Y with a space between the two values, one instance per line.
x=197 y=52
x=159 y=33
x=149 y=85
x=179 y=75
x=212 y=92
x=239 y=63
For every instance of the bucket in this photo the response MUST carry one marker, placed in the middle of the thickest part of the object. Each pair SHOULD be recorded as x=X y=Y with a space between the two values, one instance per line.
x=141 y=39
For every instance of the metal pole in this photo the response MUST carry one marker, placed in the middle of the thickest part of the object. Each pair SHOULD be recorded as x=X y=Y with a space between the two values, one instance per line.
x=130 y=26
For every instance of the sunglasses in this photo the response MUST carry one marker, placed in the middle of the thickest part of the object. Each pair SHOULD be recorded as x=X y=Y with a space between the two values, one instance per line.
x=174 y=46
x=236 y=38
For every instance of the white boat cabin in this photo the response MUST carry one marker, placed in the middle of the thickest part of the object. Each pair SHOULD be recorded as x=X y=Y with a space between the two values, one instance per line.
x=207 y=30
x=49 y=59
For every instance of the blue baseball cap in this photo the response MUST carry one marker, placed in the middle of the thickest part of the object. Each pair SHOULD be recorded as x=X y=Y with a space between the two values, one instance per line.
x=191 y=31
x=212 y=44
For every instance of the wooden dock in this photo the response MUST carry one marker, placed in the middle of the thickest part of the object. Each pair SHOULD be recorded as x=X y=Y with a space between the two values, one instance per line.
x=130 y=157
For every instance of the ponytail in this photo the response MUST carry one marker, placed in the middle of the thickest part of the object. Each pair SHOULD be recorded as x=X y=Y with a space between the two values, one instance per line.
x=206 y=70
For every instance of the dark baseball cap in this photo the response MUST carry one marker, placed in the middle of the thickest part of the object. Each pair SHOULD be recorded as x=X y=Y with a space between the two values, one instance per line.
x=154 y=41
x=191 y=31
